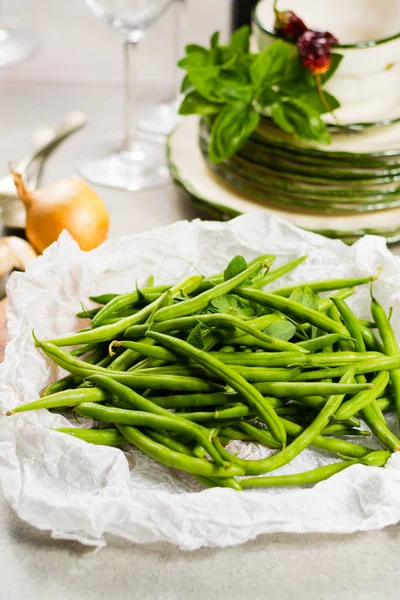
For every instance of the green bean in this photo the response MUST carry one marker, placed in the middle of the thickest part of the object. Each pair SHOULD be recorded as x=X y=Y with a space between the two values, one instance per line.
x=232 y=433
x=304 y=478
x=195 y=400
x=250 y=374
x=194 y=305
x=294 y=309
x=65 y=399
x=257 y=467
x=324 y=304
x=146 y=348
x=211 y=482
x=260 y=435
x=325 y=443
x=390 y=346
x=322 y=341
x=313 y=476
x=248 y=393
x=293 y=389
x=327 y=285
x=103 y=298
x=177 y=460
x=385 y=403
x=362 y=399
x=169 y=441
x=385 y=363
x=110 y=332
x=380 y=429
x=370 y=340
x=292 y=359
x=264 y=280
x=102 y=437
x=234 y=412
x=210 y=282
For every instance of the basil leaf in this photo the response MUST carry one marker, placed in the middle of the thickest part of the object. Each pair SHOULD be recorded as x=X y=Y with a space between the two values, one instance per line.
x=295 y=79
x=281 y=330
x=268 y=97
x=196 y=56
x=231 y=130
x=214 y=40
x=194 y=104
x=232 y=305
x=305 y=296
x=196 y=336
x=186 y=85
x=336 y=59
x=240 y=40
x=218 y=85
x=267 y=69
x=294 y=116
x=237 y=265
x=313 y=99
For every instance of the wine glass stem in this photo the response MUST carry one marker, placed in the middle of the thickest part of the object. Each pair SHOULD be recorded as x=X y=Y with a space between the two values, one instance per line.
x=130 y=92
x=180 y=15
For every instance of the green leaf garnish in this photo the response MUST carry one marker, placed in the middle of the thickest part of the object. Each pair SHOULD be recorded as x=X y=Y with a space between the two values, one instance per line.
x=281 y=330
x=229 y=87
x=232 y=305
x=237 y=265
x=305 y=296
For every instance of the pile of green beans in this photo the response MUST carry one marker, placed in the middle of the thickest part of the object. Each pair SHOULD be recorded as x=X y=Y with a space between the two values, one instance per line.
x=180 y=371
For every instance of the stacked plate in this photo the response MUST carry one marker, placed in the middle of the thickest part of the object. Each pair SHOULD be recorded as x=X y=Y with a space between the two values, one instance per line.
x=343 y=190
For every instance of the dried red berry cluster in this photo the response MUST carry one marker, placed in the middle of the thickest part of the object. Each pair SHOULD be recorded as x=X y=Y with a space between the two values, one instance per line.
x=314 y=46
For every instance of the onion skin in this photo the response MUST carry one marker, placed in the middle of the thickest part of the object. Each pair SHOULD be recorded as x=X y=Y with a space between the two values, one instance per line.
x=66 y=204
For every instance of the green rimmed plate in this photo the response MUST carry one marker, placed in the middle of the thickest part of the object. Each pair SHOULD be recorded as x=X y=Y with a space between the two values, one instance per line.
x=209 y=193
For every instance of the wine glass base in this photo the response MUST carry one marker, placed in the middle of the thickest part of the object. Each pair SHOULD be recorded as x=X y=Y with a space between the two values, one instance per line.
x=159 y=118
x=141 y=166
x=16 y=45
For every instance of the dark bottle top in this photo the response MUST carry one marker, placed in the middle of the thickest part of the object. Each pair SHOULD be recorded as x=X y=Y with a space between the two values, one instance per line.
x=241 y=12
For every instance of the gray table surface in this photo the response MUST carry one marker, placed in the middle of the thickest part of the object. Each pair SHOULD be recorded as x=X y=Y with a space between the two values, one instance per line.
x=33 y=566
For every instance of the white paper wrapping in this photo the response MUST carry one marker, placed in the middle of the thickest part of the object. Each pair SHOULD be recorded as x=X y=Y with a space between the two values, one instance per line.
x=82 y=492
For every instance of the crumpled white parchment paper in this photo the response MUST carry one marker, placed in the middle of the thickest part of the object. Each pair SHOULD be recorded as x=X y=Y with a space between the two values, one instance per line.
x=81 y=492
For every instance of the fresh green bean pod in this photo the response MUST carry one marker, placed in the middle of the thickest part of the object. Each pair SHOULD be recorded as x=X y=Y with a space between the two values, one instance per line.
x=293 y=359
x=322 y=341
x=304 y=478
x=385 y=363
x=363 y=399
x=101 y=437
x=65 y=399
x=333 y=445
x=263 y=280
x=293 y=389
x=210 y=282
x=103 y=298
x=328 y=285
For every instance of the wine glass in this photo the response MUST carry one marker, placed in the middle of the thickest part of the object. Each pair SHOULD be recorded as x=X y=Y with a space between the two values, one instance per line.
x=163 y=117
x=132 y=160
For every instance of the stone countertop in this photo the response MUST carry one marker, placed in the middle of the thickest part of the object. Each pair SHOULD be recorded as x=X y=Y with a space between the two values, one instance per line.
x=35 y=567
